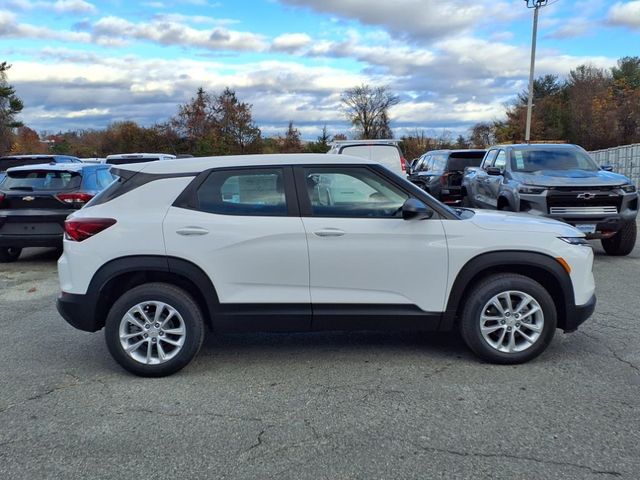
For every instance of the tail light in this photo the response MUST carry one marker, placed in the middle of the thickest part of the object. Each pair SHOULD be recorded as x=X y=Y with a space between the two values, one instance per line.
x=77 y=199
x=79 y=229
x=403 y=164
x=2 y=196
x=444 y=179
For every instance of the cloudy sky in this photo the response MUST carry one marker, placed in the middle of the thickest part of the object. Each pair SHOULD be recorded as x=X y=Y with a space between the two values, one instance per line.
x=86 y=63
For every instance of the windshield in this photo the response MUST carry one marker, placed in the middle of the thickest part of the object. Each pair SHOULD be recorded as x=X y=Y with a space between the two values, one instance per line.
x=34 y=180
x=533 y=160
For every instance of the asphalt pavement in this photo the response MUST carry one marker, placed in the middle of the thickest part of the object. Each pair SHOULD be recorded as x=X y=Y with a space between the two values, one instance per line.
x=319 y=406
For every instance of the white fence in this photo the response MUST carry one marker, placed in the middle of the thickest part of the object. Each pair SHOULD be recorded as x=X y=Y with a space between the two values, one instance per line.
x=625 y=160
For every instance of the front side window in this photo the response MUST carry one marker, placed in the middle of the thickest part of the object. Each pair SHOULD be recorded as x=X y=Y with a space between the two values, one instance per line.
x=501 y=160
x=352 y=192
x=488 y=160
x=244 y=192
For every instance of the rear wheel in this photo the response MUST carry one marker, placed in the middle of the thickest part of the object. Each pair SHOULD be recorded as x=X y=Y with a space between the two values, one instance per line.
x=623 y=242
x=154 y=330
x=9 y=254
x=508 y=319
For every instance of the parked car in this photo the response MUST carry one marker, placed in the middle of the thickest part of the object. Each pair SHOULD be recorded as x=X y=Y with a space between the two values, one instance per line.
x=35 y=200
x=122 y=158
x=309 y=242
x=385 y=152
x=9 y=161
x=558 y=181
x=440 y=172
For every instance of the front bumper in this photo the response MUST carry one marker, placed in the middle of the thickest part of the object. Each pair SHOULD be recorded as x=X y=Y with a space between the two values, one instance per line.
x=79 y=311
x=576 y=315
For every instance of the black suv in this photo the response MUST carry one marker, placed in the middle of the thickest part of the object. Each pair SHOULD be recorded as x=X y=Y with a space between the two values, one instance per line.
x=439 y=172
x=36 y=199
x=10 y=161
x=560 y=181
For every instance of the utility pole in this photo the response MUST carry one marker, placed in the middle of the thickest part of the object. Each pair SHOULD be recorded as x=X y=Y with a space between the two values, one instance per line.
x=536 y=5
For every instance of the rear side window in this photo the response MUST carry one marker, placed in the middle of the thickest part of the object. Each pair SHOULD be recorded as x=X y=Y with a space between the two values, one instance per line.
x=244 y=192
x=439 y=162
x=35 y=180
x=104 y=178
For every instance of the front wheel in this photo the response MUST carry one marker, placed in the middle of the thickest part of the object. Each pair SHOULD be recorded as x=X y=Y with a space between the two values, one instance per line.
x=9 y=254
x=508 y=319
x=623 y=242
x=154 y=330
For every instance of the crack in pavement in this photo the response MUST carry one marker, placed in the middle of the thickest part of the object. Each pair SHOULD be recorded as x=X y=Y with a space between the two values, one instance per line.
x=518 y=457
x=613 y=352
x=76 y=383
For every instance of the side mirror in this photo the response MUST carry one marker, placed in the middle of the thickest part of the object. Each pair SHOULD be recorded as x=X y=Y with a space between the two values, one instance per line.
x=607 y=168
x=414 y=209
x=494 y=171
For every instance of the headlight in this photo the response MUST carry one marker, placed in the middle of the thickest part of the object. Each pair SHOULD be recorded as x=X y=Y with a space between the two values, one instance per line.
x=576 y=241
x=628 y=188
x=531 y=189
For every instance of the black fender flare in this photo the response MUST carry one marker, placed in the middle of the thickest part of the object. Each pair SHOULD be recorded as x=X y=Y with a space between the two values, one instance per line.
x=537 y=265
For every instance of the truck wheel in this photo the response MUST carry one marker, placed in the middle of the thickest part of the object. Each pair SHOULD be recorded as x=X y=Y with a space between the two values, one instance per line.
x=9 y=254
x=623 y=241
x=154 y=330
x=508 y=319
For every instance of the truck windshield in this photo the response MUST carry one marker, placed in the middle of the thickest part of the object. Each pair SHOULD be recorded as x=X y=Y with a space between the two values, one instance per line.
x=534 y=160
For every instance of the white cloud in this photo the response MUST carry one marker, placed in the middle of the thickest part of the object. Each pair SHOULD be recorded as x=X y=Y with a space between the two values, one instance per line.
x=290 y=42
x=114 y=31
x=625 y=14
x=10 y=28
x=418 y=19
x=59 y=6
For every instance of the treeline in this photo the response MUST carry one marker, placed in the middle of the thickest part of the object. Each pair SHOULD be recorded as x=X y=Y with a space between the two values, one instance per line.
x=593 y=107
x=209 y=124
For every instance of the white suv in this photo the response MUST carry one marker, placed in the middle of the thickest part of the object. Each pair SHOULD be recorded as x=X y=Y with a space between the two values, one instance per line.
x=385 y=152
x=305 y=243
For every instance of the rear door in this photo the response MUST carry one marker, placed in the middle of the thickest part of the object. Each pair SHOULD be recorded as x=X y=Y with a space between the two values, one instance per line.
x=242 y=227
x=358 y=242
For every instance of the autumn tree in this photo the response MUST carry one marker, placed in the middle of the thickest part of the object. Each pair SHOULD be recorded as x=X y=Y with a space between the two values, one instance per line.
x=10 y=106
x=321 y=145
x=291 y=141
x=27 y=141
x=237 y=134
x=367 y=108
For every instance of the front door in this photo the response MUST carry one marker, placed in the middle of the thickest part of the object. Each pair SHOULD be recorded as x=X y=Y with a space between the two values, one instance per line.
x=362 y=254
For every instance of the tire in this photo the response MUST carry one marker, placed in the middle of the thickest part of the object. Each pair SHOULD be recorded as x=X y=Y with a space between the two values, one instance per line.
x=623 y=242
x=543 y=322
x=9 y=254
x=161 y=351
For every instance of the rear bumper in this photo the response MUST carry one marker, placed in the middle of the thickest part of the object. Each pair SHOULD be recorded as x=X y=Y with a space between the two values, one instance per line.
x=22 y=241
x=79 y=311
x=578 y=314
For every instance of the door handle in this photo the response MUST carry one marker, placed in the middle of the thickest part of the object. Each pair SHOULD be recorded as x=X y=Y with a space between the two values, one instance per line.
x=329 y=232
x=192 y=231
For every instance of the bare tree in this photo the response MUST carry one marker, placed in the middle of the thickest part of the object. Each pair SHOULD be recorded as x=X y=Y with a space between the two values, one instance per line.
x=367 y=108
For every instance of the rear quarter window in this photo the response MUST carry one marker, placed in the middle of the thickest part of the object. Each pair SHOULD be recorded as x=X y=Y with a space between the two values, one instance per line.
x=460 y=162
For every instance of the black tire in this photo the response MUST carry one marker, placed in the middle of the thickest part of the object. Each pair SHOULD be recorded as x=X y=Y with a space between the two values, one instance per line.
x=179 y=300
x=623 y=242
x=482 y=294
x=9 y=254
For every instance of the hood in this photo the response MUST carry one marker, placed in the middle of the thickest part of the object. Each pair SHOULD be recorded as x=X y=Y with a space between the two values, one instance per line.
x=569 y=178
x=522 y=222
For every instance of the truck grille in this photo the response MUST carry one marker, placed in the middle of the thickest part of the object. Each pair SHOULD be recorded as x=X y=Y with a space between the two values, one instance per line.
x=583 y=201
x=602 y=210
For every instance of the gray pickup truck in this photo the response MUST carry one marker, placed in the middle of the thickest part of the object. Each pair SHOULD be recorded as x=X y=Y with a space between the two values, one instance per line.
x=558 y=181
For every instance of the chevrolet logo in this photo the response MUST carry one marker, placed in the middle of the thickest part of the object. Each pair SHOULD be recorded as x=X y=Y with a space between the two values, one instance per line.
x=587 y=196
x=28 y=198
